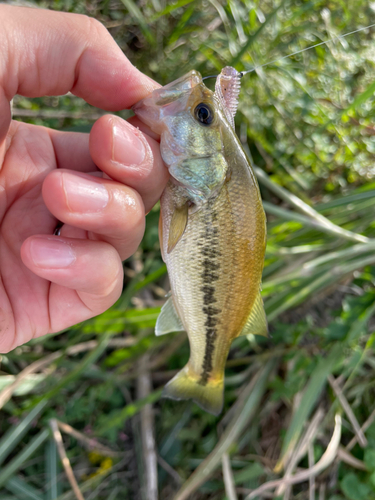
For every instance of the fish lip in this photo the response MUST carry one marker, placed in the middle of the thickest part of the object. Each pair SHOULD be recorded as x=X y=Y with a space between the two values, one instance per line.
x=149 y=114
x=138 y=105
x=139 y=108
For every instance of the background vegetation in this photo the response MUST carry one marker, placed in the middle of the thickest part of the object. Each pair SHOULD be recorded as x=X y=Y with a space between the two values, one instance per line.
x=299 y=408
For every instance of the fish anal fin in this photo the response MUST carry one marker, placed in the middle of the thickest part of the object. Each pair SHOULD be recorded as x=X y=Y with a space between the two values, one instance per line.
x=256 y=323
x=178 y=226
x=168 y=320
x=186 y=385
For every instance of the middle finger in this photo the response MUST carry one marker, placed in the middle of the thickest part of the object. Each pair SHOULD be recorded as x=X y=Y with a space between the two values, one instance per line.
x=109 y=210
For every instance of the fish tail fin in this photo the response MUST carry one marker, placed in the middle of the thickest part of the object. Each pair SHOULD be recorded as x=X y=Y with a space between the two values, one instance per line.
x=188 y=385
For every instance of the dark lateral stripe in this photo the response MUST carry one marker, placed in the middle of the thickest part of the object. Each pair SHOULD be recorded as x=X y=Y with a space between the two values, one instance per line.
x=209 y=244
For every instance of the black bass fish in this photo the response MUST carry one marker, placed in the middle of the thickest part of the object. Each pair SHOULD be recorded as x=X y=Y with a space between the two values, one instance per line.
x=212 y=229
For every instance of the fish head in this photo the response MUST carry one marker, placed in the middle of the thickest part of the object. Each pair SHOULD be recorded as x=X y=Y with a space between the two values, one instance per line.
x=190 y=119
x=166 y=101
x=185 y=112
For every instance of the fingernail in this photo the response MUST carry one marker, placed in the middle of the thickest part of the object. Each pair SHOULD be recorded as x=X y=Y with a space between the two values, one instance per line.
x=84 y=195
x=127 y=148
x=51 y=253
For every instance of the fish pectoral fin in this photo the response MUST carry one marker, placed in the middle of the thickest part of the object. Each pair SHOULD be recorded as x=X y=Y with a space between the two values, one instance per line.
x=178 y=226
x=256 y=322
x=168 y=320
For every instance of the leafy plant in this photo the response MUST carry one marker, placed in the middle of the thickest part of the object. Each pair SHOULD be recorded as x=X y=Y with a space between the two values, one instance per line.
x=306 y=122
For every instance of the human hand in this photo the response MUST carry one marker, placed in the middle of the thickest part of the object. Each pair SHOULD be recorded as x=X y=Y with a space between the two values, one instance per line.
x=48 y=282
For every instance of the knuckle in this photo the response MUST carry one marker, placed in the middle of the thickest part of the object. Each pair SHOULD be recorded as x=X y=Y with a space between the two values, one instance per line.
x=95 y=28
x=112 y=276
x=129 y=209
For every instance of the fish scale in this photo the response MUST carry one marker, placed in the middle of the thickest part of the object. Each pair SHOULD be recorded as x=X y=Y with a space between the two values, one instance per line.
x=216 y=260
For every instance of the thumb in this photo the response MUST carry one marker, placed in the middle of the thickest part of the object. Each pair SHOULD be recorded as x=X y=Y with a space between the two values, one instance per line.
x=51 y=53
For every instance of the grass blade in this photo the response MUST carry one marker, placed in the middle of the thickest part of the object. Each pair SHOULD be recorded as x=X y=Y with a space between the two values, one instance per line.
x=64 y=459
x=322 y=281
x=359 y=326
x=361 y=98
x=87 y=361
x=306 y=209
x=52 y=470
x=254 y=37
x=27 y=386
x=8 y=471
x=11 y=439
x=137 y=14
x=327 y=458
x=310 y=396
x=170 y=8
x=118 y=417
x=230 y=488
x=285 y=214
x=22 y=489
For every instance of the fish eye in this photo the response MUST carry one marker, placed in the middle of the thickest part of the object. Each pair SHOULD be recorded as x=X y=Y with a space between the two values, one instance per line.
x=204 y=114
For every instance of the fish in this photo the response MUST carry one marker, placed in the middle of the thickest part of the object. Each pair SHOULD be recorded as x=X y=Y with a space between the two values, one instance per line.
x=212 y=229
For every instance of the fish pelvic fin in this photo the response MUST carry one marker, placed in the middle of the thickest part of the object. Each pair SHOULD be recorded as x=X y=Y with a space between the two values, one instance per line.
x=186 y=384
x=168 y=320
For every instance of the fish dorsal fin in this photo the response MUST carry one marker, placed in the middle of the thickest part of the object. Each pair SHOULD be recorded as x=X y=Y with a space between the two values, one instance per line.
x=178 y=226
x=227 y=90
x=168 y=320
x=256 y=322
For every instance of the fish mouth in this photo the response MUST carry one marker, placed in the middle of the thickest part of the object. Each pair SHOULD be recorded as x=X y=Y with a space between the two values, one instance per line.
x=166 y=100
x=149 y=113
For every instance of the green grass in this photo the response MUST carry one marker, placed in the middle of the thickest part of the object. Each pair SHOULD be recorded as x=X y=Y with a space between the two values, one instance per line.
x=307 y=122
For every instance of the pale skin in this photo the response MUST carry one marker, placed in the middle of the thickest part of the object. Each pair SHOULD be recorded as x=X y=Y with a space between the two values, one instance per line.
x=49 y=283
